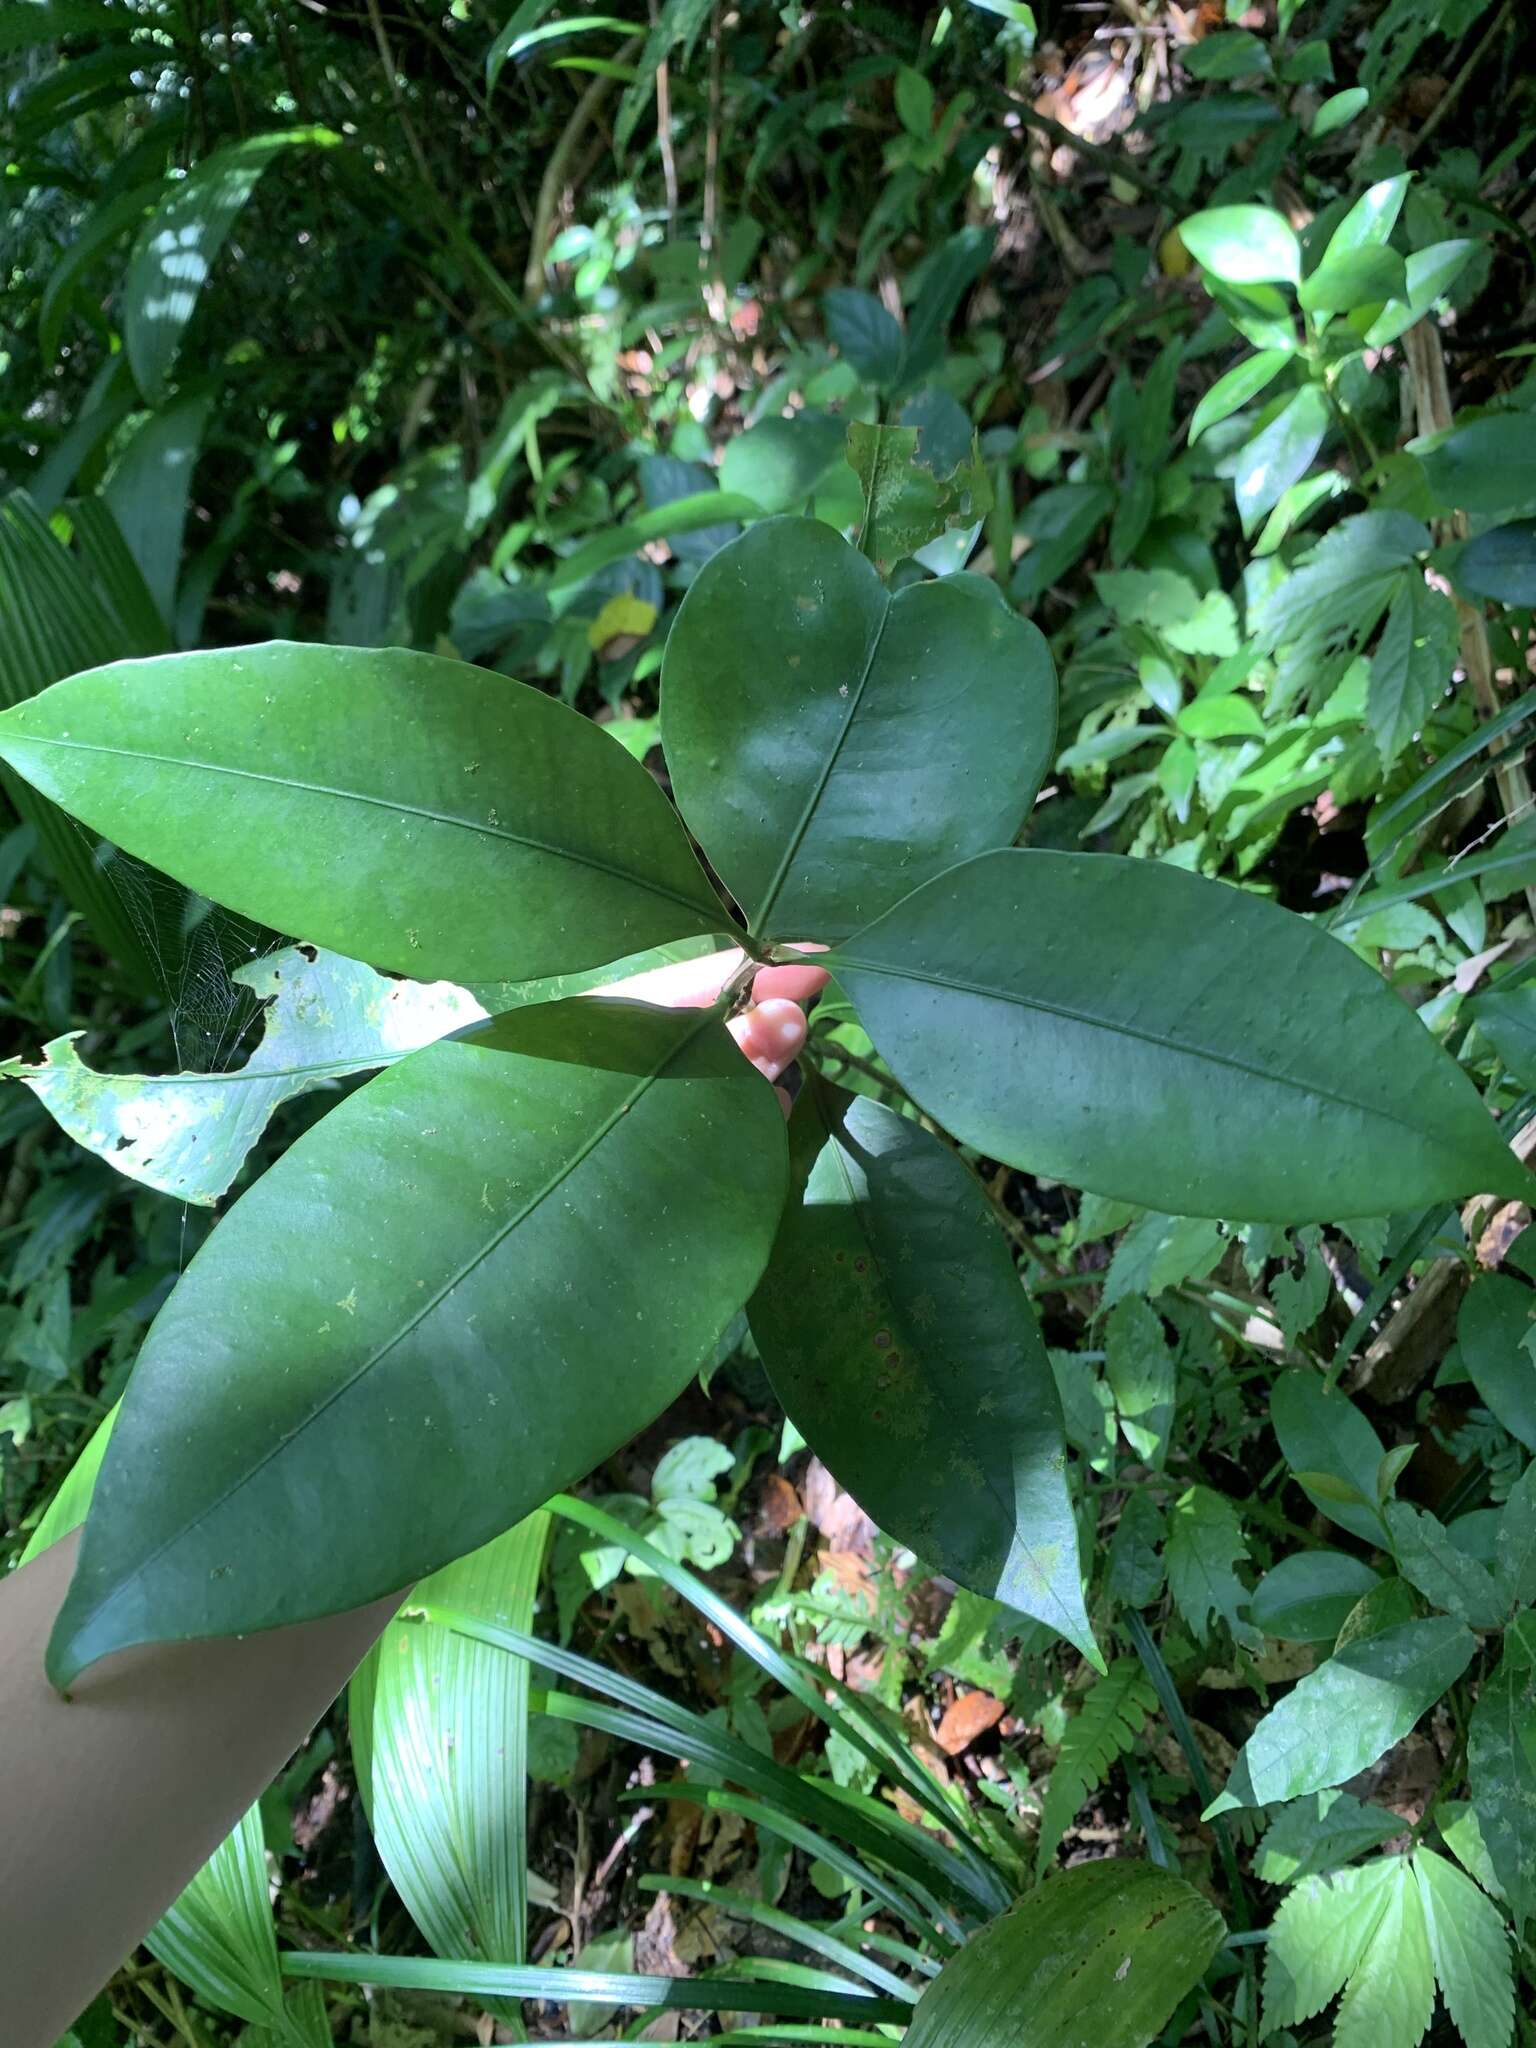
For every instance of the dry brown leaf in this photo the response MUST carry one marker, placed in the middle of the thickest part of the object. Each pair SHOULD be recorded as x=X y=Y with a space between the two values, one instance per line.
x=966 y=1718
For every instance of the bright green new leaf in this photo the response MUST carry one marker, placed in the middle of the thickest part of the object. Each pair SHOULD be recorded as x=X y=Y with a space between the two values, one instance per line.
x=1492 y=1328
x=406 y=810
x=440 y=1723
x=1237 y=1062
x=1338 y=110
x=898 y=1336
x=1279 y=453
x=832 y=745
x=1241 y=383
x=462 y=1326
x=1443 y=1573
x=1244 y=245
x=178 y=244
x=1359 y=277
x=1391 y=1992
x=1428 y=275
x=1469 y=1945
x=1347 y=1712
x=1098 y=1957
x=1306 y=1597
x=188 y=1134
x=1321 y=1933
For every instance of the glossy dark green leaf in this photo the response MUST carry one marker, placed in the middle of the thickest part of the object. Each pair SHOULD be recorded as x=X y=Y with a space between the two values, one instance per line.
x=1348 y=1712
x=831 y=745
x=906 y=502
x=406 y=810
x=1493 y=1331
x=1362 y=277
x=464 y=1323
x=1429 y=273
x=1306 y=1598
x=779 y=463
x=1138 y=1031
x=864 y=334
x=1266 y=467
x=896 y=1332
x=1245 y=380
x=1097 y=1957
x=1244 y=245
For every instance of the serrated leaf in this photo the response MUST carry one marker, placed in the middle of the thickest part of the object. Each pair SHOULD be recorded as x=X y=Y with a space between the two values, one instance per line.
x=1098 y=1957
x=407 y=810
x=1318 y=1833
x=1318 y=1939
x=1411 y=668
x=874 y=739
x=453 y=1327
x=1443 y=1573
x=1112 y=1715
x=1457 y=1821
x=1205 y=1540
x=1391 y=1995
x=1348 y=1712
x=895 y=1330
x=1469 y=1946
x=189 y=1134
x=1209 y=1074
x=1136 y=1570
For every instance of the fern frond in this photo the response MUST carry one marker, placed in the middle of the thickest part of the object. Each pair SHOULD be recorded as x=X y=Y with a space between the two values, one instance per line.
x=1105 y=1726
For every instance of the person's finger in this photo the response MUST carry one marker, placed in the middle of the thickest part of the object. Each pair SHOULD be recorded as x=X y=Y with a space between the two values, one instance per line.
x=686 y=985
x=798 y=983
x=771 y=1034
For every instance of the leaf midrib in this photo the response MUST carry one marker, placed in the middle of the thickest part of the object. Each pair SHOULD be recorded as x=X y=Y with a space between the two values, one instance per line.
x=392 y=804
x=803 y=824
x=839 y=958
x=413 y=1322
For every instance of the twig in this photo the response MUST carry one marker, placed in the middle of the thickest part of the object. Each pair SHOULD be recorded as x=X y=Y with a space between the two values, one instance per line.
x=402 y=112
x=664 y=133
x=571 y=136
x=1453 y=91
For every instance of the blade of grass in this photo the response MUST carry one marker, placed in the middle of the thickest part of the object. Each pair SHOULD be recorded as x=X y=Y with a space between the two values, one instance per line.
x=805 y=1932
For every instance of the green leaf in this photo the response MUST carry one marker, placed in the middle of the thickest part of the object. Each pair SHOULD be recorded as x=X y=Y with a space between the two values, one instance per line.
x=1345 y=1714
x=831 y=745
x=1338 y=110
x=403 y=809
x=1489 y=465
x=779 y=463
x=1492 y=1327
x=1265 y=467
x=1319 y=1937
x=1391 y=1994
x=1244 y=245
x=1241 y=383
x=1205 y=1540
x=1457 y=1821
x=178 y=244
x=1307 y=1597
x=1360 y=277
x=446 y=1742
x=1501 y=1766
x=898 y=1336
x=462 y=1324
x=1470 y=1949
x=1324 y=1434
x=906 y=503
x=1142 y=1032
x=1515 y=1543
x=1140 y=1370
x=695 y=512
x=148 y=495
x=1429 y=275
x=864 y=334
x=1444 y=1574
x=1136 y=1570
x=1105 y=1726
x=1228 y=53
x=1412 y=666
x=1507 y=1018
x=218 y=1935
x=1098 y=1957
x=1500 y=564
x=1320 y=1832
x=189 y=1134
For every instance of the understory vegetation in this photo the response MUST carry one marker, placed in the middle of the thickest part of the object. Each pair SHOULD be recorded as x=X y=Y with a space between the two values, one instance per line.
x=1033 y=507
